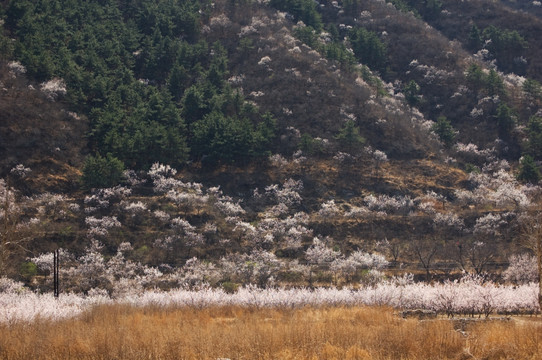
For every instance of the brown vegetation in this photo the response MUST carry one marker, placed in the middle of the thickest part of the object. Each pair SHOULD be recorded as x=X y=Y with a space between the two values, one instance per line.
x=122 y=332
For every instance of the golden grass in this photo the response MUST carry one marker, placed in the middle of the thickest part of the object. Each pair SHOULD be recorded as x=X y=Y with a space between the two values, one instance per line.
x=122 y=332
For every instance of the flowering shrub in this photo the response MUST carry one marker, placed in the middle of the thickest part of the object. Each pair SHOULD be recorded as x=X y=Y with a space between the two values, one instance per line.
x=264 y=60
x=195 y=274
x=380 y=156
x=161 y=215
x=498 y=188
x=9 y=286
x=471 y=152
x=166 y=242
x=328 y=209
x=54 y=88
x=158 y=170
x=278 y=160
x=220 y=21
x=449 y=219
x=490 y=224
x=360 y=260
x=430 y=74
x=16 y=68
x=44 y=262
x=20 y=171
x=288 y=194
x=100 y=227
x=319 y=253
x=342 y=157
x=229 y=208
x=391 y=204
x=134 y=208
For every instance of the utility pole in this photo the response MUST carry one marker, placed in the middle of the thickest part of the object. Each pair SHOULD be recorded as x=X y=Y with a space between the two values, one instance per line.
x=56 y=267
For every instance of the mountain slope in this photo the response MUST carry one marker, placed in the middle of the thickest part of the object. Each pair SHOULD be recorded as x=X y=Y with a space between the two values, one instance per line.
x=39 y=133
x=292 y=150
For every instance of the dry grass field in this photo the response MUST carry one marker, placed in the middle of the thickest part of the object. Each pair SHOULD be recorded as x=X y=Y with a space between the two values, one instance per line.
x=122 y=332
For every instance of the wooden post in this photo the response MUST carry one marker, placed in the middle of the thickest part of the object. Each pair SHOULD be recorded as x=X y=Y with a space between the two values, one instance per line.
x=539 y=262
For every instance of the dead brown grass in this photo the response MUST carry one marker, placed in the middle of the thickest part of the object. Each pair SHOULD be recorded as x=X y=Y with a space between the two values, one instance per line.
x=121 y=332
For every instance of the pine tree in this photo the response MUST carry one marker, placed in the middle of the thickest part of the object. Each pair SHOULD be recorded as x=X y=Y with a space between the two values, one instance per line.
x=475 y=77
x=475 y=38
x=505 y=120
x=445 y=131
x=534 y=143
x=528 y=170
x=494 y=84
x=350 y=138
x=102 y=172
x=412 y=93
x=369 y=49
x=532 y=90
x=178 y=78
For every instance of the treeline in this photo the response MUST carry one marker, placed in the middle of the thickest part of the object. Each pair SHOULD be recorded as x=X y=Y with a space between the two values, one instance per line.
x=151 y=86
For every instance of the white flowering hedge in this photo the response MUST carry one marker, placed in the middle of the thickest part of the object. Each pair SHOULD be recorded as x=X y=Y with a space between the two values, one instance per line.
x=467 y=296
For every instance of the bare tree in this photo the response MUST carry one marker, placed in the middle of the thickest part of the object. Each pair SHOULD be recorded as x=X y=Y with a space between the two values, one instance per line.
x=475 y=255
x=424 y=250
x=393 y=248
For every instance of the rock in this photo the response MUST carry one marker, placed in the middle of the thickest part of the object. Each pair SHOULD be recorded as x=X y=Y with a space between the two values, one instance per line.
x=419 y=314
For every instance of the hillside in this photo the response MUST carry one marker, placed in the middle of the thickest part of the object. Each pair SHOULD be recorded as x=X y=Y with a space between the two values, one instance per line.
x=277 y=141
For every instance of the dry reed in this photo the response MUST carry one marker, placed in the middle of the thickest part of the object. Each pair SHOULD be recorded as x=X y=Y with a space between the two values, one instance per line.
x=123 y=332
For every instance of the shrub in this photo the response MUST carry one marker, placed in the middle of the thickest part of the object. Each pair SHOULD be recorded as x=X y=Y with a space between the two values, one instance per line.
x=28 y=270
